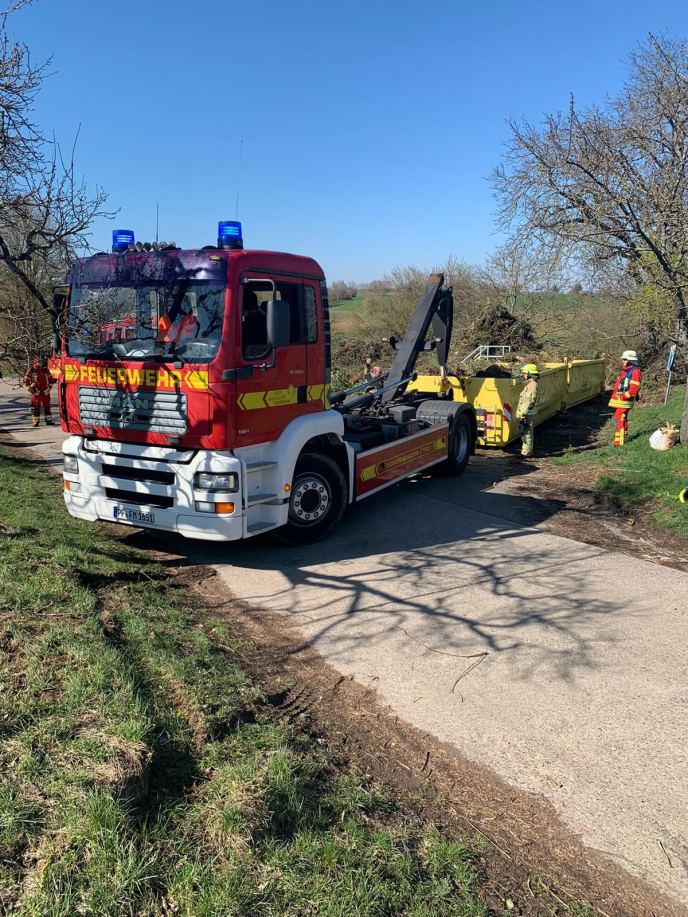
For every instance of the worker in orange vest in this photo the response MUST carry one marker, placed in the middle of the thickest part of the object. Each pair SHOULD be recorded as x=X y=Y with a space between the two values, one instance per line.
x=186 y=328
x=38 y=383
x=625 y=393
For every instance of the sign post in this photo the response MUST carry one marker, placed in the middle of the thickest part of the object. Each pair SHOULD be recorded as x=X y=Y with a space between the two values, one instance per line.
x=670 y=363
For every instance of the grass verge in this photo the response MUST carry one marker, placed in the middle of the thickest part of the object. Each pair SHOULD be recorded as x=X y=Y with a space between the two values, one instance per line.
x=143 y=772
x=636 y=472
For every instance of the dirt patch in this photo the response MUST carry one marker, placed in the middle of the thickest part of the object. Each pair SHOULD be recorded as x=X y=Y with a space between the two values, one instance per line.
x=575 y=507
x=589 y=515
x=126 y=770
x=532 y=859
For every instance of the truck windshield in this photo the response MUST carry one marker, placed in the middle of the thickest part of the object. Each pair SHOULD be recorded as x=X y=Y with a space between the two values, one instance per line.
x=146 y=314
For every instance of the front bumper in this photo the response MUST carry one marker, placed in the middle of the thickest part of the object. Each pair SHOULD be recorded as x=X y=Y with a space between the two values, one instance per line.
x=152 y=480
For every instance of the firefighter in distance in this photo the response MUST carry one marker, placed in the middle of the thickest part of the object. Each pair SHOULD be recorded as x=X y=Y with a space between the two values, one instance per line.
x=38 y=383
x=625 y=393
x=526 y=411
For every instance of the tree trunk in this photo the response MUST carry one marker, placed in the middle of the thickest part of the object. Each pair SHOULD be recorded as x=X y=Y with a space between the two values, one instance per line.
x=684 y=419
x=683 y=347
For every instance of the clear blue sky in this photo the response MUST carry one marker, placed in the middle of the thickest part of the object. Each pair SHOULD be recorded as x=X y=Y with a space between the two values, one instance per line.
x=369 y=127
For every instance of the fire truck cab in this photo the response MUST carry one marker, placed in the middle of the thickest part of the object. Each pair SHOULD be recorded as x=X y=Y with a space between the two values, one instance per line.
x=195 y=385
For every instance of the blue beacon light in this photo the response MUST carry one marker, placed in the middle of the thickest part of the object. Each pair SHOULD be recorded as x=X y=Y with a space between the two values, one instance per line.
x=229 y=234
x=121 y=240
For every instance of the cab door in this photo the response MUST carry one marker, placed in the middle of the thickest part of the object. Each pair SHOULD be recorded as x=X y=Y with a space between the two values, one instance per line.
x=271 y=383
x=317 y=336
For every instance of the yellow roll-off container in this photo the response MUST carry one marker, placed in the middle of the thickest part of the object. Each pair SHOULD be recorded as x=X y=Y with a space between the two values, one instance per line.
x=562 y=386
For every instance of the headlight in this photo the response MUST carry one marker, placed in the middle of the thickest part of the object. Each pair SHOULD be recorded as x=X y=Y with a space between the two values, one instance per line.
x=71 y=464
x=225 y=482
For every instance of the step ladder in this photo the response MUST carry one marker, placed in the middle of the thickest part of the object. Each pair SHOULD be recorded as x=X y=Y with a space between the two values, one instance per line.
x=263 y=504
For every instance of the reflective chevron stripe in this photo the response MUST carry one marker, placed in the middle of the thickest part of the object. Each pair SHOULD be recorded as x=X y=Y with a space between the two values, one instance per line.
x=279 y=397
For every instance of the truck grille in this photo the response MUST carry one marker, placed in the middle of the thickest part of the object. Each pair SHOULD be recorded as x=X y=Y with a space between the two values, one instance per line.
x=145 y=475
x=130 y=496
x=144 y=411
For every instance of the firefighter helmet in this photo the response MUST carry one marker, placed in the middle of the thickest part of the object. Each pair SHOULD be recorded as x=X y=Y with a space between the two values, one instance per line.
x=629 y=356
x=530 y=369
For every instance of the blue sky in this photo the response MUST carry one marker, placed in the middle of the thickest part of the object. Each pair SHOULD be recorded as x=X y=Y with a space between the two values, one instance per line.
x=368 y=128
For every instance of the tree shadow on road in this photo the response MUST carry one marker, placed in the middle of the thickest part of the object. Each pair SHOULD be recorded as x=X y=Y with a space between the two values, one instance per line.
x=411 y=563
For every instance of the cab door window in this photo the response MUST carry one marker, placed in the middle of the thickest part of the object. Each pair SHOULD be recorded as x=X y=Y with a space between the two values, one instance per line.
x=254 y=332
x=310 y=314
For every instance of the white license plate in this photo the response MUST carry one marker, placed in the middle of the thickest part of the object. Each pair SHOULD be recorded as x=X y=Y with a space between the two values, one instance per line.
x=134 y=515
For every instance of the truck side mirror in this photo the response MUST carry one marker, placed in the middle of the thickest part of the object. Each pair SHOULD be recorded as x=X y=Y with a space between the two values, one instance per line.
x=278 y=322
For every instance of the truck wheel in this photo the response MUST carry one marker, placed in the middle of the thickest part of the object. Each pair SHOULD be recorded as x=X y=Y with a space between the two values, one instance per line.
x=460 y=433
x=317 y=499
x=460 y=445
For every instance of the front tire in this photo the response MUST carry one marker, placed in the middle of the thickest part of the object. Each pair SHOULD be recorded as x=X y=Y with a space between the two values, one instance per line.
x=317 y=500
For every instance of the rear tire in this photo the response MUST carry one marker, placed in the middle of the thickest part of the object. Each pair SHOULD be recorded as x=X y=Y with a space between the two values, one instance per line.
x=461 y=433
x=317 y=499
x=460 y=446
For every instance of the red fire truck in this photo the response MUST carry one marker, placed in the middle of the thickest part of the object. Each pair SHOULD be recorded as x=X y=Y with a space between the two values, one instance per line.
x=212 y=416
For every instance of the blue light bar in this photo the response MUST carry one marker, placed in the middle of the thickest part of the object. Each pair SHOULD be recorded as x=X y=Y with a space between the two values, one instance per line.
x=121 y=239
x=229 y=234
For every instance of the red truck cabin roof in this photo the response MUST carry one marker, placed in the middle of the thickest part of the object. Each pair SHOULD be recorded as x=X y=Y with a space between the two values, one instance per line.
x=101 y=265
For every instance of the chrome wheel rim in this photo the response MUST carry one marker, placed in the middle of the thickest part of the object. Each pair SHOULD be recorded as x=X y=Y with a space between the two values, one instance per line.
x=310 y=499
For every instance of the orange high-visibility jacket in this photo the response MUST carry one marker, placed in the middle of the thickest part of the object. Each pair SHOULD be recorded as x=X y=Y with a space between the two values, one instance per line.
x=186 y=329
x=626 y=389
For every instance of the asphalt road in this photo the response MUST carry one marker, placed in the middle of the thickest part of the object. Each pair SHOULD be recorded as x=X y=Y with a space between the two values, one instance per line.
x=581 y=694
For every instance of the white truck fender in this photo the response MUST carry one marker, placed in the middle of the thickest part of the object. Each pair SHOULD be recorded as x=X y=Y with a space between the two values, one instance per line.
x=286 y=450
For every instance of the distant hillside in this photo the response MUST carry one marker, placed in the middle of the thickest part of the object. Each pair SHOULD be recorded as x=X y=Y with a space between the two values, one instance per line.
x=549 y=301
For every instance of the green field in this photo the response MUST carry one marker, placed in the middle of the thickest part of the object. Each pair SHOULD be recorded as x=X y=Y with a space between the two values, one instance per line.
x=550 y=301
x=636 y=472
x=348 y=305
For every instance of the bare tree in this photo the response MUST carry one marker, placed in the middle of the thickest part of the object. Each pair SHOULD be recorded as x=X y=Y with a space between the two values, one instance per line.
x=388 y=306
x=519 y=274
x=25 y=326
x=610 y=183
x=45 y=208
x=340 y=290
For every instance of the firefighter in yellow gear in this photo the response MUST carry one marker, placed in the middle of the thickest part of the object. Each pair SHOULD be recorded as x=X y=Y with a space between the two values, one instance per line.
x=527 y=408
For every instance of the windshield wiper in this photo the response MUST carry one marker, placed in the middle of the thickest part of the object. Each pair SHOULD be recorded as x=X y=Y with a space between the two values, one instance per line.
x=152 y=356
x=95 y=354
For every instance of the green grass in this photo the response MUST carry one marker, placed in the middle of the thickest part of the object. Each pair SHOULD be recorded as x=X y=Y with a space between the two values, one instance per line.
x=637 y=472
x=143 y=772
x=349 y=305
x=550 y=301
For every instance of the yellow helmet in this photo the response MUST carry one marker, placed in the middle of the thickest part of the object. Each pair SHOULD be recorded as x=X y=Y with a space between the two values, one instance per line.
x=530 y=369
